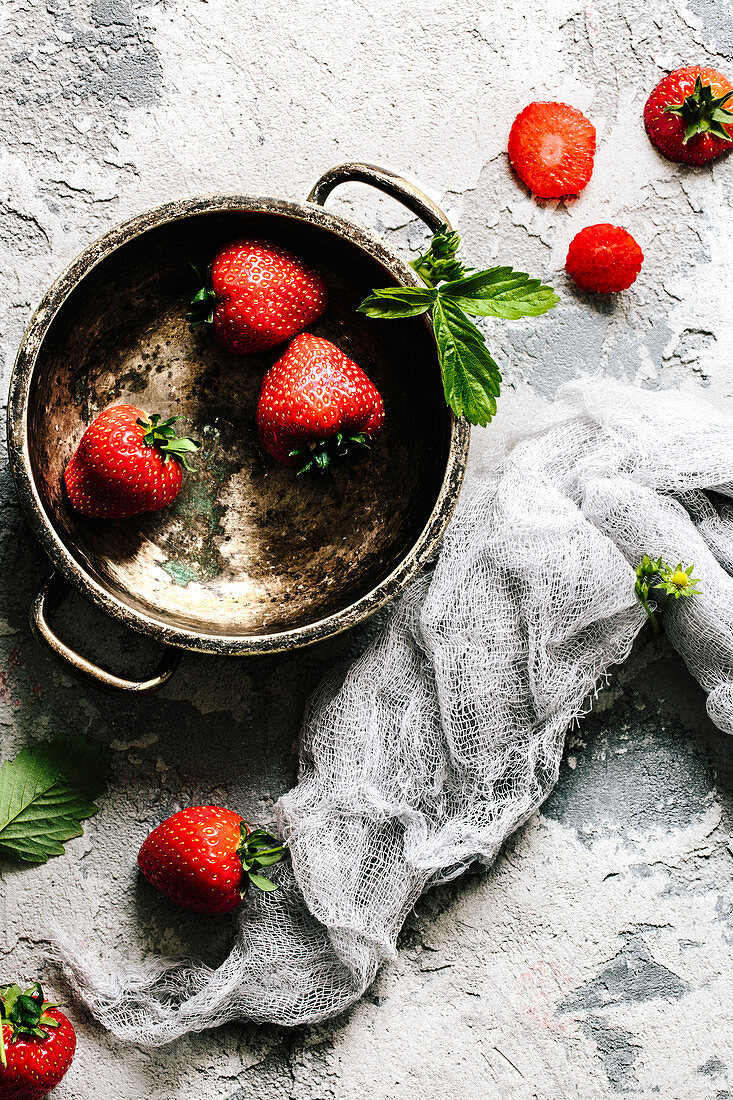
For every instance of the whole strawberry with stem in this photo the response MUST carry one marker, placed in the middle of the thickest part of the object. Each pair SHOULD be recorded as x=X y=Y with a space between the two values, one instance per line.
x=258 y=295
x=552 y=148
x=689 y=115
x=316 y=404
x=205 y=858
x=37 y=1043
x=127 y=462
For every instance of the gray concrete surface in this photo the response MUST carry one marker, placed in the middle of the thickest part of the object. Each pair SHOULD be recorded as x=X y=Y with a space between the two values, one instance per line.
x=595 y=959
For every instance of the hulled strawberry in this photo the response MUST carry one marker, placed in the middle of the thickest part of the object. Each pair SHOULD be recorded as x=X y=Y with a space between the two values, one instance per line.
x=127 y=462
x=258 y=296
x=204 y=858
x=315 y=404
x=551 y=148
x=604 y=259
x=689 y=115
x=37 y=1043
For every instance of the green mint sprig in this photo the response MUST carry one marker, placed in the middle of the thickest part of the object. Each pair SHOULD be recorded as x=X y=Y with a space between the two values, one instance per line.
x=657 y=583
x=45 y=794
x=471 y=377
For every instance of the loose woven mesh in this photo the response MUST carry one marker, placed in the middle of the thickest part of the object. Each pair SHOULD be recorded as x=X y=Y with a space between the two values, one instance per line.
x=447 y=734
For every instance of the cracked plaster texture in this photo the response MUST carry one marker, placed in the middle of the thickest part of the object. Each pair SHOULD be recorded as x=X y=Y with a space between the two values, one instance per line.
x=595 y=958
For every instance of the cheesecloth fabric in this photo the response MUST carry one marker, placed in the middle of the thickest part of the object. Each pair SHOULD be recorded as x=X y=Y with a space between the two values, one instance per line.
x=447 y=733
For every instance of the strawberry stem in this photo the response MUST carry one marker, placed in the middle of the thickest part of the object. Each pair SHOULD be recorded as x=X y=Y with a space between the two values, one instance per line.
x=202 y=303
x=259 y=849
x=25 y=1013
x=322 y=452
x=702 y=113
x=162 y=436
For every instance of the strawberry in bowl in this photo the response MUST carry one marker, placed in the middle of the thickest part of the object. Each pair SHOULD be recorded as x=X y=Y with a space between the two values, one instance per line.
x=127 y=462
x=37 y=1043
x=204 y=859
x=316 y=404
x=258 y=295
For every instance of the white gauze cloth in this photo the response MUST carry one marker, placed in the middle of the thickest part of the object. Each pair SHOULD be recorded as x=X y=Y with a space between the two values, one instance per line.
x=447 y=734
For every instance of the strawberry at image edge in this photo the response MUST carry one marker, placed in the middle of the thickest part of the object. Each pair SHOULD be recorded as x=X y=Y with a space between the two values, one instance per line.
x=688 y=116
x=37 y=1043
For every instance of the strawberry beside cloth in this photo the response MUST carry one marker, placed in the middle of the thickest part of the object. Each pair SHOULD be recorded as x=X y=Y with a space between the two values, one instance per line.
x=531 y=602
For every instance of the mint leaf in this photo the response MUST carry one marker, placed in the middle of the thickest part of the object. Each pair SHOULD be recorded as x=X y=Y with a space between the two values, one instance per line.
x=393 y=302
x=471 y=378
x=501 y=292
x=46 y=791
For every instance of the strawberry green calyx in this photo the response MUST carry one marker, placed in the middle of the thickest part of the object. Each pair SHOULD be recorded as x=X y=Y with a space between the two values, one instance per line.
x=26 y=1013
x=202 y=303
x=703 y=113
x=319 y=454
x=258 y=849
x=162 y=436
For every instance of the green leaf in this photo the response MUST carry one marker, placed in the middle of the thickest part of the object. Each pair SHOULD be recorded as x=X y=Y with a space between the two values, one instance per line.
x=260 y=848
x=440 y=262
x=471 y=378
x=261 y=883
x=501 y=292
x=46 y=791
x=390 y=303
x=266 y=859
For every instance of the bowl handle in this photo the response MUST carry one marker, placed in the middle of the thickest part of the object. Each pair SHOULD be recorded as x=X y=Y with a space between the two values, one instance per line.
x=79 y=666
x=406 y=192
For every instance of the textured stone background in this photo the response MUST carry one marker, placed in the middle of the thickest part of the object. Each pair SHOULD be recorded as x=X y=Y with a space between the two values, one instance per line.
x=595 y=959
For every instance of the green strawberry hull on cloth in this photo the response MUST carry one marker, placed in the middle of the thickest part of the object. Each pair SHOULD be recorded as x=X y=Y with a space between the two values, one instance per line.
x=447 y=733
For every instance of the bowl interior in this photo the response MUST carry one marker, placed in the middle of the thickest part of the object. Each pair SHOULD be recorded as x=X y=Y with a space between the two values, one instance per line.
x=248 y=548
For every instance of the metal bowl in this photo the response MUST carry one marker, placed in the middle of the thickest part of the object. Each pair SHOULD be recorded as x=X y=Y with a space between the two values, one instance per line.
x=249 y=559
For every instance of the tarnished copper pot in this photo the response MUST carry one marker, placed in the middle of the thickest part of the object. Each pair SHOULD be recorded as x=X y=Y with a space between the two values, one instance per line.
x=249 y=559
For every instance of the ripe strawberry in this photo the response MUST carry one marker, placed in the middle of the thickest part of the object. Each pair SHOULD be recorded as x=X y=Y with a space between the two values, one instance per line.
x=551 y=148
x=127 y=462
x=37 y=1043
x=315 y=403
x=604 y=258
x=203 y=858
x=686 y=115
x=259 y=295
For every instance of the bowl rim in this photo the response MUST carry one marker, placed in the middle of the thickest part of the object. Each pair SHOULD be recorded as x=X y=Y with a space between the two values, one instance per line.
x=19 y=453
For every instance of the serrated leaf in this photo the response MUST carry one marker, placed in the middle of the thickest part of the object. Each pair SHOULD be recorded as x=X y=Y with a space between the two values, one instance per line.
x=471 y=378
x=501 y=292
x=45 y=794
x=391 y=303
